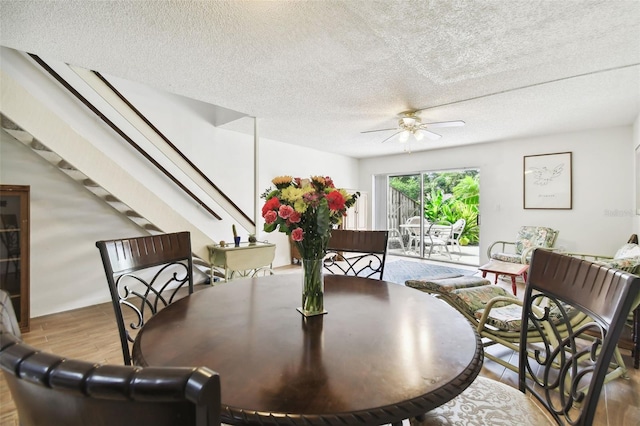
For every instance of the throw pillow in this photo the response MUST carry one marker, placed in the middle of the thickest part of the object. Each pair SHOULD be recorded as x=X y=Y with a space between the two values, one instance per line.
x=627 y=250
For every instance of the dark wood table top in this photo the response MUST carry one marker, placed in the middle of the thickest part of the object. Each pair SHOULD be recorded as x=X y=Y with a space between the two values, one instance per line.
x=382 y=353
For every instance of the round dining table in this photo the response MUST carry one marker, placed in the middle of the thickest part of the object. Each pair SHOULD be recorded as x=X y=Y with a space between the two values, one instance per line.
x=382 y=353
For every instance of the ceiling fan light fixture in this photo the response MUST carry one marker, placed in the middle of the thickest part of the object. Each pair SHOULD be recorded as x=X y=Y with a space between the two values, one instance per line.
x=404 y=136
x=408 y=121
x=418 y=134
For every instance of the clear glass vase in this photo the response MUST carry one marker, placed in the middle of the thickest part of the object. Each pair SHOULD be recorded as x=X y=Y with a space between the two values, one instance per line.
x=312 y=288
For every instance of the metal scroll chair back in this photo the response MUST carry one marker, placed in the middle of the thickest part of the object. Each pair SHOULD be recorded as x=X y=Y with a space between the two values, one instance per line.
x=584 y=353
x=571 y=362
x=145 y=274
x=358 y=253
x=50 y=390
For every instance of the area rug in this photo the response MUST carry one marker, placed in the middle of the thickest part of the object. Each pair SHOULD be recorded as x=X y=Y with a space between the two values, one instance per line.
x=399 y=271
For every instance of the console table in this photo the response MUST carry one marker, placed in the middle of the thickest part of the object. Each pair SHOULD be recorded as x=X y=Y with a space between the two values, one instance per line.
x=243 y=261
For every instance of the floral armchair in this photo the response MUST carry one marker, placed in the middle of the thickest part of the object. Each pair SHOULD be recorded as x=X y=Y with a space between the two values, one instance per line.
x=527 y=239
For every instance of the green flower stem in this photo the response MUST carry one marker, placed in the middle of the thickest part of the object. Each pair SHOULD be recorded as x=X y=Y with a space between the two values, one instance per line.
x=313 y=287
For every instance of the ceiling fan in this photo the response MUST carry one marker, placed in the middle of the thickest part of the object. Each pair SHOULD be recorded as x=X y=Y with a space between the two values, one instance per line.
x=410 y=124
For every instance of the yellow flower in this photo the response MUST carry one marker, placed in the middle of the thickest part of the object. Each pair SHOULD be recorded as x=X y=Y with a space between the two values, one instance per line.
x=292 y=194
x=300 y=206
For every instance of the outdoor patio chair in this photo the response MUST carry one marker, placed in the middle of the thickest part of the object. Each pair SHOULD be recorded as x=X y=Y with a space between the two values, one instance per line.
x=413 y=228
x=527 y=239
x=437 y=236
x=358 y=253
x=144 y=275
x=571 y=363
x=456 y=232
x=497 y=316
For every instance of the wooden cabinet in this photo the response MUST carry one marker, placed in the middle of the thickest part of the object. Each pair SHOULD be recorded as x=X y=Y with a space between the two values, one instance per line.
x=14 y=248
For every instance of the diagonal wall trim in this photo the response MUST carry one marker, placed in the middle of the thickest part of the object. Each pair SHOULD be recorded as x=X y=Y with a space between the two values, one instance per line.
x=121 y=133
x=218 y=195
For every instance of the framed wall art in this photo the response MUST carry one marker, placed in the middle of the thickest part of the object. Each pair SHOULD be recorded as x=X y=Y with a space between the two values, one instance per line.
x=547 y=181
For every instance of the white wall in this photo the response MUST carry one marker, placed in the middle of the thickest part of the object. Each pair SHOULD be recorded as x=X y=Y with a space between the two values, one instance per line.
x=636 y=147
x=601 y=218
x=66 y=221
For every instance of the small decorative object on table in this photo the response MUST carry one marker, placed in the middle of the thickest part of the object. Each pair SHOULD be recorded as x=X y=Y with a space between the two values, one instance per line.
x=236 y=238
x=307 y=209
x=252 y=239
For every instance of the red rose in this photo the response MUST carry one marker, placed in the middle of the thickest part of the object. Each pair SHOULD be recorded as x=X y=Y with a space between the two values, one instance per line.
x=272 y=204
x=270 y=216
x=285 y=211
x=336 y=200
x=297 y=234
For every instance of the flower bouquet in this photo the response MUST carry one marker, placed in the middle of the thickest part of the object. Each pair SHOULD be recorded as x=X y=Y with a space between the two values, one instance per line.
x=307 y=210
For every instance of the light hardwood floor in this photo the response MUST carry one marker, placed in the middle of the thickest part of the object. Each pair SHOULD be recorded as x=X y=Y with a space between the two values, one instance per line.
x=90 y=334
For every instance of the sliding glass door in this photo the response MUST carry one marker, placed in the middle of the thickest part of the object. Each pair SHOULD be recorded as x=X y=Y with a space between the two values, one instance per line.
x=434 y=214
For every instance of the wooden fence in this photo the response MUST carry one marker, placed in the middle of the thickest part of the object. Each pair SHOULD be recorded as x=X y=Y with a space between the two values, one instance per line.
x=400 y=208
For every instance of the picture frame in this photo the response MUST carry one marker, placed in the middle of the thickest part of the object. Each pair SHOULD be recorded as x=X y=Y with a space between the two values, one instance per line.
x=548 y=181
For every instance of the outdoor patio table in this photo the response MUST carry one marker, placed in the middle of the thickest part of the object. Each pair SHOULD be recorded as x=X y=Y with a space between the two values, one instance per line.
x=382 y=353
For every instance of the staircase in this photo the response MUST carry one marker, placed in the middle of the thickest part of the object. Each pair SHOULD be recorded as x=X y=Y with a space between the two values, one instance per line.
x=30 y=120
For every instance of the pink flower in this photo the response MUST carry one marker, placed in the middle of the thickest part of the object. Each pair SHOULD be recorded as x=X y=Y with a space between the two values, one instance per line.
x=285 y=211
x=297 y=234
x=328 y=182
x=294 y=217
x=270 y=216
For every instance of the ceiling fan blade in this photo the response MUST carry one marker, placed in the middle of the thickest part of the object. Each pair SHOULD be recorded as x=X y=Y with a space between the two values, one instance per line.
x=431 y=135
x=379 y=130
x=456 y=123
x=391 y=136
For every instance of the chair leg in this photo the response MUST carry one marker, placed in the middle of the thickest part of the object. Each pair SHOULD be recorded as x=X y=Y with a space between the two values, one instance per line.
x=447 y=250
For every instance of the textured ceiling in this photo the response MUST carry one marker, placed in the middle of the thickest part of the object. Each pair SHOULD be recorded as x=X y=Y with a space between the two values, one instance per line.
x=317 y=73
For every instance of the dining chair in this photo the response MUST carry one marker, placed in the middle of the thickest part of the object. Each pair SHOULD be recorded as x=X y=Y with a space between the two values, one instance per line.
x=564 y=378
x=358 y=253
x=144 y=275
x=49 y=390
x=8 y=315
